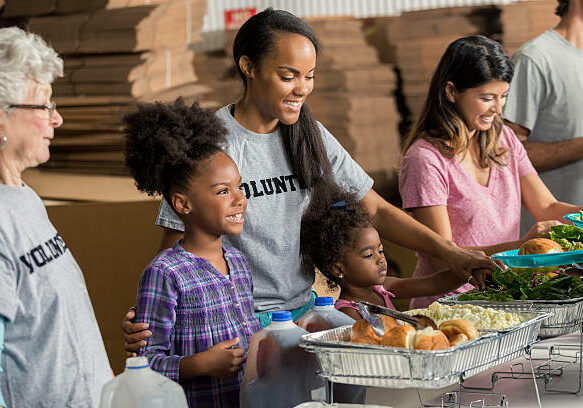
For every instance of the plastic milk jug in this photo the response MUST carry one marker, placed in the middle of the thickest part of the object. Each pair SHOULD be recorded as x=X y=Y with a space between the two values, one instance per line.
x=278 y=372
x=324 y=316
x=141 y=387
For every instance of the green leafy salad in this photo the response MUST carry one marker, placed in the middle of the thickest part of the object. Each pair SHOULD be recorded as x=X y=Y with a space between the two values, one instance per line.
x=537 y=283
x=528 y=284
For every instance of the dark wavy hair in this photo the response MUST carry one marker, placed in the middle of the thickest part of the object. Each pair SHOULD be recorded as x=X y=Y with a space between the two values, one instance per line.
x=562 y=8
x=303 y=142
x=327 y=231
x=468 y=62
x=165 y=142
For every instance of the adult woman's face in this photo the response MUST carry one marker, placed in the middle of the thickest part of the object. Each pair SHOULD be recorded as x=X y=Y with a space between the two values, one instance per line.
x=29 y=131
x=284 y=79
x=479 y=106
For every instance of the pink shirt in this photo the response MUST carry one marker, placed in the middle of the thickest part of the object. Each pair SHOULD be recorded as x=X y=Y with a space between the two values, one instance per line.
x=380 y=289
x=479 y=215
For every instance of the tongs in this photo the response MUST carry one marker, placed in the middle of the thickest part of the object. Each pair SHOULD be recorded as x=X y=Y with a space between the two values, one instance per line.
x=370 y=312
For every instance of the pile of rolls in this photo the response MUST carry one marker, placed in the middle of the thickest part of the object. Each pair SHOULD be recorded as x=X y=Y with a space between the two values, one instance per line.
x=450 y=333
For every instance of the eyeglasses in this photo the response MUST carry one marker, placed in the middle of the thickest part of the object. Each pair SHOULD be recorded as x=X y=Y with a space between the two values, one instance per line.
x=50 y=108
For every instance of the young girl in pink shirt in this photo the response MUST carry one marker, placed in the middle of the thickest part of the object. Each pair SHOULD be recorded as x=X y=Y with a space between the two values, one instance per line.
x=464 y=174
x=339 y=239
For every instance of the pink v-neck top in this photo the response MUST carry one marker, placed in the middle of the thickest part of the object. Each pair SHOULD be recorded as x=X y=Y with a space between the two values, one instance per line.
x=379 y=289
x=479 y=215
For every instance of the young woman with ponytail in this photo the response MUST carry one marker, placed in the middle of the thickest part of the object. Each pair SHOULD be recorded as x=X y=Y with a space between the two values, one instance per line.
x=283 y=153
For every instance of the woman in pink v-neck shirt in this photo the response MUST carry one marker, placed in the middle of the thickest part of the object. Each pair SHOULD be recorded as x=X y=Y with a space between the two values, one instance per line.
x=464 y=174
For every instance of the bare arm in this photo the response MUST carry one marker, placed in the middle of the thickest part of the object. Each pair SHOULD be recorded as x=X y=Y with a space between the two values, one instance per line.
x=549 y=155
x=398 y=227
x=431 y=285
x=351 y=312
x=540 y=202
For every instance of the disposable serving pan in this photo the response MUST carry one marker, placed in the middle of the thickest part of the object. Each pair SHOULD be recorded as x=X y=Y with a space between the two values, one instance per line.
x=567 y=314
x=378 y=366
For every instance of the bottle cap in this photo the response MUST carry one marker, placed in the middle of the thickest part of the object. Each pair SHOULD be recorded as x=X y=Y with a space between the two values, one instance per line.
x=281 y=316
x=134 y=363
x=324 y=301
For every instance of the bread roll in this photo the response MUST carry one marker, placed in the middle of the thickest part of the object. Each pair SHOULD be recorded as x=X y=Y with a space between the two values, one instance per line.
x=460 y=338
x=363 y=333
x=430 y=339
x=453 y=328
x=539 y=246
x=400 y=336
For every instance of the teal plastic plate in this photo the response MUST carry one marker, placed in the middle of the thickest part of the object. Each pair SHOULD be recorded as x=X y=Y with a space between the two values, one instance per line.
x=575 y=218
x=513 y=260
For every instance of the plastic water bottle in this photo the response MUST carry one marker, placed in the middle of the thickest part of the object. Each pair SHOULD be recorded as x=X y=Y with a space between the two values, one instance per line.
x=278 y=372
x=324 y=316
x=141 y=387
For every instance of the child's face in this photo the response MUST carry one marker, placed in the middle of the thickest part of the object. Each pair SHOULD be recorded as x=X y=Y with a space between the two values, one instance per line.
x=218 y=204
x=365 y=263
x=479 y=106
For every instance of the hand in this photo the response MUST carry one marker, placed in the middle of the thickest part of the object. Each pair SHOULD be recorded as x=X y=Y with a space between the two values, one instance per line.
x=478 y=278
x=464 y=262
x=134 y=334
x=540 y=230
x=223 y=360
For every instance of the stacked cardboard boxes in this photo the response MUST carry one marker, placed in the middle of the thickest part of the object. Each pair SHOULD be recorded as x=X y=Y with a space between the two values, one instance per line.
x=354 y=98
x=416 y=40
x=524 y=21
x=116 y=52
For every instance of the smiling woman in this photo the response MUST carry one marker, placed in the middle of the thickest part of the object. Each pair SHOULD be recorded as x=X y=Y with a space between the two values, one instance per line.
x=43 y=289
x=464 y=174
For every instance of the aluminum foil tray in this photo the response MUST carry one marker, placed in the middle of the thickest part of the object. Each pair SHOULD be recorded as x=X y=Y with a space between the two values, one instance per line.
x=567 y=314
x=379 y=366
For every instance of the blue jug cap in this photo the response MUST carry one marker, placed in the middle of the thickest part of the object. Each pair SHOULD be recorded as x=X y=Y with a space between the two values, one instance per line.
x=324 y=301
x=281 y=316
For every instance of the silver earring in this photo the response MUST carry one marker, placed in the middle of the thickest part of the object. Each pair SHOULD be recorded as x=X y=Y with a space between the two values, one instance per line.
x=340 y=275
x=3 y=141
x=186 y=212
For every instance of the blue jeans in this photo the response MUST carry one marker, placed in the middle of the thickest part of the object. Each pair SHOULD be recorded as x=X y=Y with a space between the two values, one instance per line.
x=265 y=317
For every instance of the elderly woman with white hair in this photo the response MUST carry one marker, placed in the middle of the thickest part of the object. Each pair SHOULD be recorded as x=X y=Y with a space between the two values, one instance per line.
x=52 y=351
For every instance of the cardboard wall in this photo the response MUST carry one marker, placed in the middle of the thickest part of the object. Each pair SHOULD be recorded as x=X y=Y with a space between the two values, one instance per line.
x=112 y=242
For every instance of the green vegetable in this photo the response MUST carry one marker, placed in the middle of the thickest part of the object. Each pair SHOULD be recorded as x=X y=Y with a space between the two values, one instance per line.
x=569 y=237
x=524 y=284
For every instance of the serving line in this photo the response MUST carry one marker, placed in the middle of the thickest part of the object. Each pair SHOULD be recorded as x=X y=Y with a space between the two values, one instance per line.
x=517 y=394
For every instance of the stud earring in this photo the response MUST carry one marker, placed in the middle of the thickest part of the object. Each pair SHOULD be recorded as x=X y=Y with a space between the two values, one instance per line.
x=3 y=141
x=186 y=212
x=340 y=275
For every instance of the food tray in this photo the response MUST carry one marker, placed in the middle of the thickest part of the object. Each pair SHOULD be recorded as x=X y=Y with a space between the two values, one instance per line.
x=575 y=218
x=567 y=314
x=513 y=260
x=391 y=367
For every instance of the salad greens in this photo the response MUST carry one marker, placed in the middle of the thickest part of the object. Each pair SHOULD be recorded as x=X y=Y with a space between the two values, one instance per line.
x=528 y=285
x=569 y=237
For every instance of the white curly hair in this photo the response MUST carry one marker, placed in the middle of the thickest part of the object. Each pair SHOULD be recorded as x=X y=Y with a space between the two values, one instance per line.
x=24 y=56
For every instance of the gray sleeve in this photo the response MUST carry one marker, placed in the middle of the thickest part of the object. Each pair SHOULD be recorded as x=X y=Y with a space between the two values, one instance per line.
x=526 y=94
x=2 y=328
x=168 y=218
x=8 y=281
x=347 y=173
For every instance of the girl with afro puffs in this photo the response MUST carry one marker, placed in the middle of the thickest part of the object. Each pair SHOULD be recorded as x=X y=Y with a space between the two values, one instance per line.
x=197 y=295
x=339 y=239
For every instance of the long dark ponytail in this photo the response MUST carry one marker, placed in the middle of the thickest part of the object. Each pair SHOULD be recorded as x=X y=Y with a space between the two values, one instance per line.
x=302 y=140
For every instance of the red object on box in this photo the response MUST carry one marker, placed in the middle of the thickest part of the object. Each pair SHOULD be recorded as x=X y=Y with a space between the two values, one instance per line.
x=235 y=18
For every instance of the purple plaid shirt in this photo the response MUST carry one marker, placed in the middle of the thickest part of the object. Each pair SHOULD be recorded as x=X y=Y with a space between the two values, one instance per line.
x=190 y=307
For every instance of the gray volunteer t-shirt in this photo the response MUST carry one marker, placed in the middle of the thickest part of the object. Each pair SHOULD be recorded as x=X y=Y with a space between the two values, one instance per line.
x=271 y=237
x=546 y=97
x=54 y=354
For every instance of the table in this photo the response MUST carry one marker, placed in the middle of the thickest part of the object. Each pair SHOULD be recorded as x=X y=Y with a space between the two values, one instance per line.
x=520 y=393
